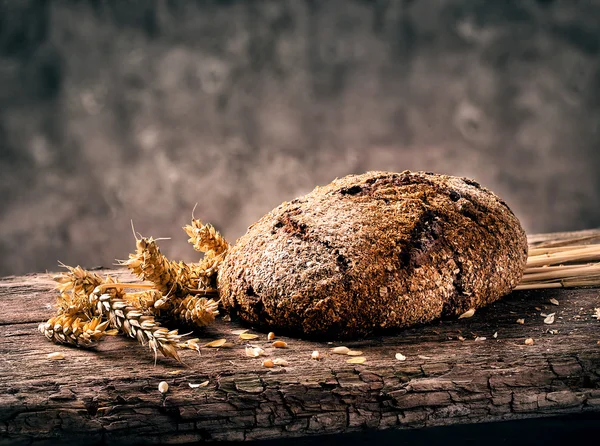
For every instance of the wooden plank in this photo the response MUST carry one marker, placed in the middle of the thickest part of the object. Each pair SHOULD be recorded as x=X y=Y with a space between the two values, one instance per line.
x=109 y=394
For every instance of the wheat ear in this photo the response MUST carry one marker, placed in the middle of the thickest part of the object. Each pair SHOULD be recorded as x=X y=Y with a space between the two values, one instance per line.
x=73 y=330
x=195 y=311
x=134 y=322
x=74 y=287
x=148 y=263
x=205 y=238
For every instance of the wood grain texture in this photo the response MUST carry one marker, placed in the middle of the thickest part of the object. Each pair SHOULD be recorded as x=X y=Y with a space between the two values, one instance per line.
x=109 y=395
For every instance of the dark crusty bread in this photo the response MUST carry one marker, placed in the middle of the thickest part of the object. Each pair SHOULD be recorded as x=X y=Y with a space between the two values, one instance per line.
x=374 y=251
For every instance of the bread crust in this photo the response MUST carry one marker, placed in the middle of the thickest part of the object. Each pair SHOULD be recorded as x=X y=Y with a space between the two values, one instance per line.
x=372 y=252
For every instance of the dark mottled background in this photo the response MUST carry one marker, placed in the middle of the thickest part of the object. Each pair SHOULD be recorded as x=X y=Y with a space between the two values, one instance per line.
x=120 y=110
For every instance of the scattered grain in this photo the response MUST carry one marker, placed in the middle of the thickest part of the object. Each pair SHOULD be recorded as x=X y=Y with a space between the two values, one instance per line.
x=549 y=319
x=340 y=350
x=461 y=339
x=400 y=357
x=279 y=344
x=480 y=338
x=238 y=332
x=280 y=362
x=354 y=353
x=163 y=387
x=268 y=363
x=56 y=356
x=315 y=355
x=357 y=360
x=528 y=341
x=254 y=352
x=520 y=321
x=202 y=384
x=248 y=336
x=467 y=314
x=495 y=335
x=270 y=336
x=216 y=344
x=553 y=301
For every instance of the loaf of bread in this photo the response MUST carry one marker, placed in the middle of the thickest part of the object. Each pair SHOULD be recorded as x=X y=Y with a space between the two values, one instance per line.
x=372 y=252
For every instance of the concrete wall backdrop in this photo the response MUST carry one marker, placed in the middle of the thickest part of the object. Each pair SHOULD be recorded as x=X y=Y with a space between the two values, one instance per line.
x=119 y=110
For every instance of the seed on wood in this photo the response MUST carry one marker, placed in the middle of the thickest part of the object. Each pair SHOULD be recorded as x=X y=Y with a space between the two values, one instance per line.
x=520 y=321
x=195 y=386
x=354 y=353
x=549 y=319
x=528 y=341
x=280 y=362
x=480 y=338
x=216 y=344
x=248 y=336
x=340 y=350
x=424 y=357
x=357 y=360
x=279 y=344
x=495 y=335
x=268 y=363
x=400 y=357
x=56 y=356
x=553 y=301
x=238 y=332
x=175 y=372
x=467 y=314
x=315 y=355
x=163 y=387
x=460 y=338
x=270 y=336
x=254 y=352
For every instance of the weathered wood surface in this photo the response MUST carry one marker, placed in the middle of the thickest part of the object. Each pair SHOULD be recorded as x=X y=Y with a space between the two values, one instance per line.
x=109 y=395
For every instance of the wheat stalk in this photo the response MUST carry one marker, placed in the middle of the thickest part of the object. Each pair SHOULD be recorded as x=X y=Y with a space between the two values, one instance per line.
x=562 y=263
